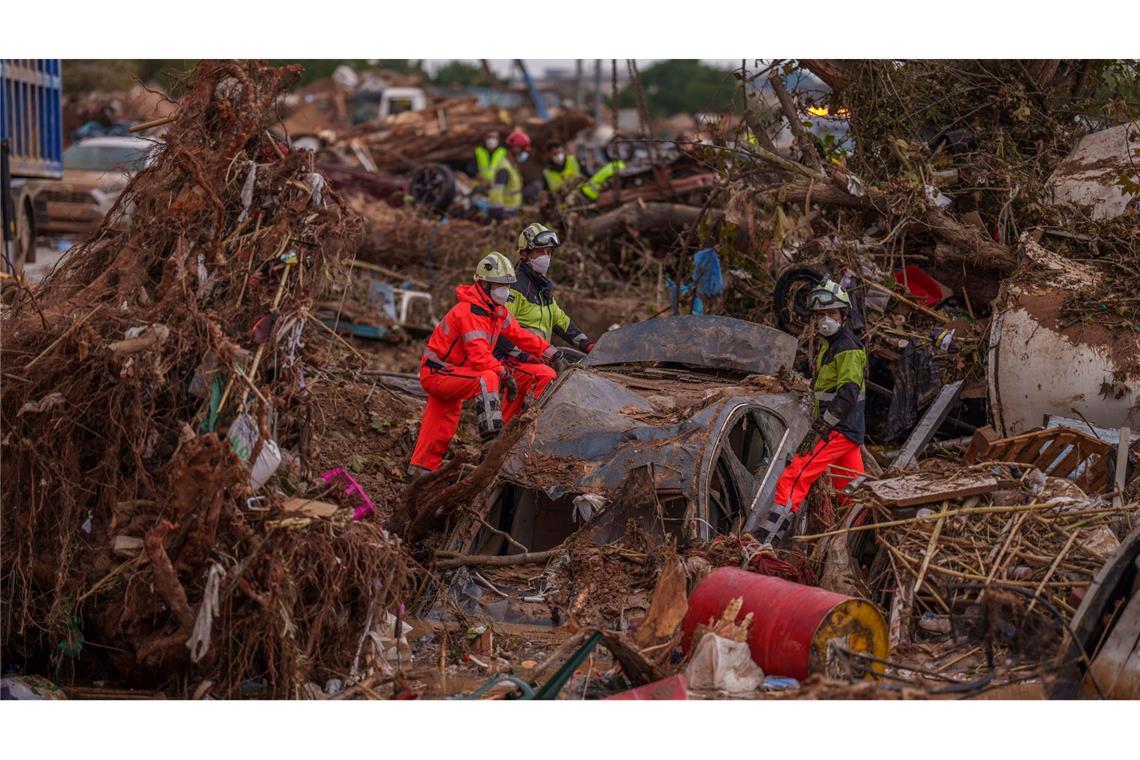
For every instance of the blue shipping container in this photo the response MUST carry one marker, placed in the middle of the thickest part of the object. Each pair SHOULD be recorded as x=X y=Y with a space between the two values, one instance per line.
x=30 y=117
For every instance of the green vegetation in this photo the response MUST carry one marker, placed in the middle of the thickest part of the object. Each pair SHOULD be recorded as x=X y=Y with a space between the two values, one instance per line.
x=683 y=85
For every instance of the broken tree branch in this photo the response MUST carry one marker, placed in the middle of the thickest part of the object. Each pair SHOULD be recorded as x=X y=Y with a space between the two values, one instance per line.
x=807 y=145
x=436 y=506
x=835 y=74
x=966 y=243
x=644 y=217
x=165 y=578
x=496 y=560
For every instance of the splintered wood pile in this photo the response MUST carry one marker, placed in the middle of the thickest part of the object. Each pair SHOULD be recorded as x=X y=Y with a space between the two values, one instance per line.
x=985 y=527
x=449 y=131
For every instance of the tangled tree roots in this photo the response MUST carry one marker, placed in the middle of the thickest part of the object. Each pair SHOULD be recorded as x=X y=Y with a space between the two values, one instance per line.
x=125 y=522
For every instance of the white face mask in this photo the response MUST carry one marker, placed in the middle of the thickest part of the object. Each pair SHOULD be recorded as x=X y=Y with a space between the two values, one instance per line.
x=828 y=326
x=492 y=143
x=558 y=158
x=499 y=294
x=523 y=156
x=541 y=263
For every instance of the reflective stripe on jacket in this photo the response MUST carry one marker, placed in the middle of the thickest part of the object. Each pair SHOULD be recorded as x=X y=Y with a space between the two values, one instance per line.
x=839 y=386
x=466 y=334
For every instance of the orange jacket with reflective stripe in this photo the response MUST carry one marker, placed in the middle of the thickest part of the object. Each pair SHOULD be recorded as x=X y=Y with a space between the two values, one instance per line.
x=465 y=337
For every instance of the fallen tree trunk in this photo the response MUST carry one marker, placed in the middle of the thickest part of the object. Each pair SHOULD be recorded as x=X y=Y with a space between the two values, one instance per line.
x=433 y=507
x=966 y=243
x=645 y=217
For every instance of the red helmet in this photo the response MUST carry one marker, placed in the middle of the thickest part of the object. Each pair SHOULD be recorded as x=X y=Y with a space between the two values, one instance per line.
x=518 y=139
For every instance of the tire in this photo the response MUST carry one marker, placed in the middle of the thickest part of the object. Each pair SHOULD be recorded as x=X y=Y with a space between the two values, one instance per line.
x=790 y=298
x=433 y=186
x=24 y=244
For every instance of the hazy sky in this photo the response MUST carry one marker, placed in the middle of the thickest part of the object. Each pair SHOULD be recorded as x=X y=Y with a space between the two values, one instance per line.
x=505 y=67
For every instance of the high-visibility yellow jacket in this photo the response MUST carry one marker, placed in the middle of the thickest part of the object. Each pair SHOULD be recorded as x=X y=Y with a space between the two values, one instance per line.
x=839 y=386
x=532 y=302
x=556 y=178
x=593 y=186
x=507 y=185
x=485 y=161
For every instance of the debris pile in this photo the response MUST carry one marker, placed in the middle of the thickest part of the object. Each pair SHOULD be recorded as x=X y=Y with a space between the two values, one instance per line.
x=154 y=383
x=208 y=410
x=447 y=132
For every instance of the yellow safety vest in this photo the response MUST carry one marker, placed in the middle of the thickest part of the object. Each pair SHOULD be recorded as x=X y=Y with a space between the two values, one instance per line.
x=508 y=196
x=485 y=161
x=555 y=179
x=594 y=184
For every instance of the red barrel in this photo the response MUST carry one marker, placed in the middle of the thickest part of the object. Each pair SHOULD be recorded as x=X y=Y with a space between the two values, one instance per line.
x=791 y=624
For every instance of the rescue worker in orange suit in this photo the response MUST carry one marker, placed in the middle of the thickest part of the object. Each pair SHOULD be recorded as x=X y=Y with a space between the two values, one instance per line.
x=834 y=443
x=458 y=364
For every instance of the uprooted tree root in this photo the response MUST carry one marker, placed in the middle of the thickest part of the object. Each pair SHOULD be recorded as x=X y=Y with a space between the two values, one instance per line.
x=107 y=445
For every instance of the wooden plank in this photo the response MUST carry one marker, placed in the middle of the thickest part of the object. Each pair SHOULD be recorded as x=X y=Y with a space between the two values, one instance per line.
x=1019 y=448
x=927 y=426
x=1096 y=477
x=1121 y=467
x=920 y=488
x=980 y=444
x=1065 y=467
x=1109 y=665
x=1051 y=451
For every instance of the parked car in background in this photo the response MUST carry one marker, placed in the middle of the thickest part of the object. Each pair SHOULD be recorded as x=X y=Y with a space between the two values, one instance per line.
x=95 y=172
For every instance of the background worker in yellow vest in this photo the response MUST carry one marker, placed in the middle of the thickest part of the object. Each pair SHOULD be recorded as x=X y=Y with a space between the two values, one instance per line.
x=562 y=170
x=507 y=185
x=593 y=186
x=486 y=156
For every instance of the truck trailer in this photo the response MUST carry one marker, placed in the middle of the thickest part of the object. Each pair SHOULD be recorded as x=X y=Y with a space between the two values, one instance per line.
x=31 y=148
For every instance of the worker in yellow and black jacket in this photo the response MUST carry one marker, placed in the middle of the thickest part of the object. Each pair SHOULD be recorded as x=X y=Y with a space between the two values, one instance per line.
x=834 y=443
x=532 y=301
x=563 y=173
x=562 y=169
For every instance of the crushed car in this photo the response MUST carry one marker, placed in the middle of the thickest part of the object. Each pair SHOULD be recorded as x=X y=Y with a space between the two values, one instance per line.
x=681 y=423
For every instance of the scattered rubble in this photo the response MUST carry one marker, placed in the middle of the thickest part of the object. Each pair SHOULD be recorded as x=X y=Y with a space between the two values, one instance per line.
x=209 y=406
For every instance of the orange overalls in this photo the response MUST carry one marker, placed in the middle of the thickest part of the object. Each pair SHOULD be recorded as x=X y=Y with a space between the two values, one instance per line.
x=458 y=364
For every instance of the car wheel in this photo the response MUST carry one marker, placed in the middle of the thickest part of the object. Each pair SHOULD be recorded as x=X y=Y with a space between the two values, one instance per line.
x=433 y=186
x=790 y=298
x=24 y=244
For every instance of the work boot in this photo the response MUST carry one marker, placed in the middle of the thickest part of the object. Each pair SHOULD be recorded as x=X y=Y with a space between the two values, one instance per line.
x=414 y=472
x=775 y=526
x=488 y=413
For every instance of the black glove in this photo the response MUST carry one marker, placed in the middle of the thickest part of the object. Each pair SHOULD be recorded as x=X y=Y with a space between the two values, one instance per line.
x=559 y=362
x=511 y=387
x=807 y=445
x=819 y=431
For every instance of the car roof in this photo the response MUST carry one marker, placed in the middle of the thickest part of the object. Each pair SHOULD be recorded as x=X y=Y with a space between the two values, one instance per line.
x=706 y=341
x=116 y=142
